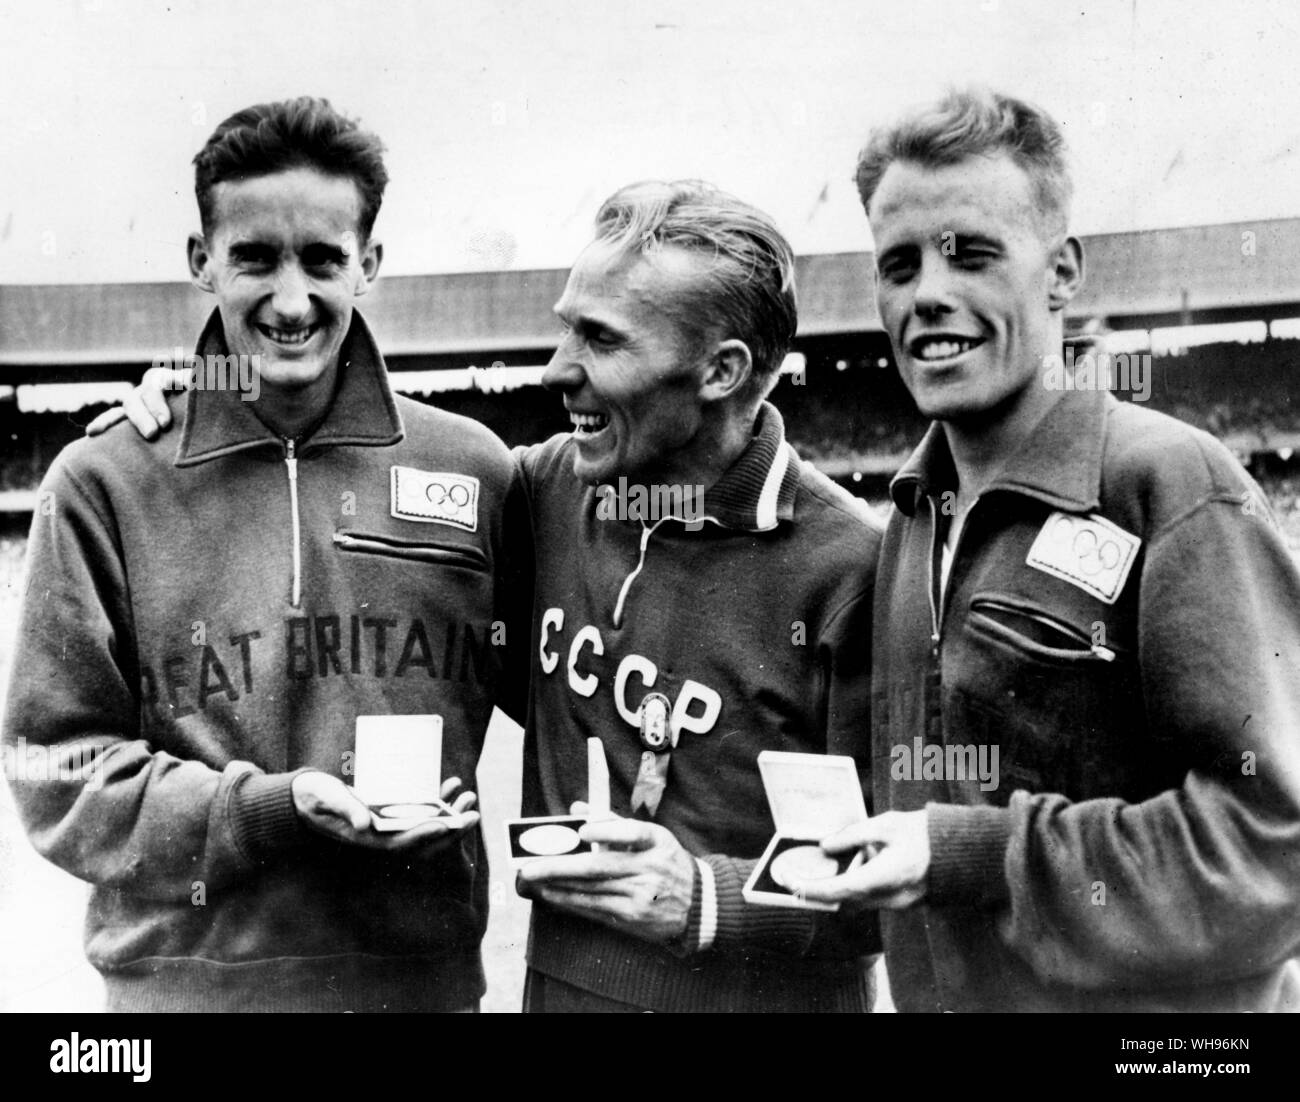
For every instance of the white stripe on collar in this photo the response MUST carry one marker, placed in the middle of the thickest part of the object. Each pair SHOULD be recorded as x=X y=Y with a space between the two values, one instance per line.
x=765 y=513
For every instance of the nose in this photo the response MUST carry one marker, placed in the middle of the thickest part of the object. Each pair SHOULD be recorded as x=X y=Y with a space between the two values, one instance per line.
x=933 y=295
x=564 y=372
x=291 y=299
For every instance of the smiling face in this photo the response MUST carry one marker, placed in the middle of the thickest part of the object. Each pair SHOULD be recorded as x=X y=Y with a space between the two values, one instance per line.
x=285 y=259
x=969 y=290
x=630 y=373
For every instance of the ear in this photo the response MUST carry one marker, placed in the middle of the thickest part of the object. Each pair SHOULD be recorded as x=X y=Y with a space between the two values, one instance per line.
x=199 y=257
x=372 y=256
x=727 y=372
x=1066 y=273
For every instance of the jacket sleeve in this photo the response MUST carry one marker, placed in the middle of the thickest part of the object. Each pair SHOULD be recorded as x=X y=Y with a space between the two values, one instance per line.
x=515 y=594
x=844 y=661
x=97 y=799
x=1201 y=881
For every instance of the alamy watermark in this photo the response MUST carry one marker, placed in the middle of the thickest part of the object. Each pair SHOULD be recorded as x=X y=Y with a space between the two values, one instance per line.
x=649 y=504
x=213 y=372
x=37 y=762
x=1129 y=372
x=953 y=762
x=115 y=1056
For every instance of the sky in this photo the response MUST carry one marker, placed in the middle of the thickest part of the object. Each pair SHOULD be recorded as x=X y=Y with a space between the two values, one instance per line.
x=507 y=123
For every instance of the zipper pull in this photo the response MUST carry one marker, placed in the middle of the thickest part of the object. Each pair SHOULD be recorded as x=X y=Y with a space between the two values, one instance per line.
x=291 y=461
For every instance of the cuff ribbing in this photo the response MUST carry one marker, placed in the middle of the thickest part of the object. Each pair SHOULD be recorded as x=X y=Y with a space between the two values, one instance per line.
x=690 y=939
x=702 y=918
x=262 y=815
x=744 y=925
x=708 y=905
x=968 y=850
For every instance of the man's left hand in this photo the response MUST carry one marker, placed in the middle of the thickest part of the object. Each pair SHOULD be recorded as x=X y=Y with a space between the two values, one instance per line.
x=640 y=882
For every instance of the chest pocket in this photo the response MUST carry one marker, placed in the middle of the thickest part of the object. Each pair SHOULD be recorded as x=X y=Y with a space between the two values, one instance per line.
x=1037 y=633
x=1056 y=689
x=443 y=554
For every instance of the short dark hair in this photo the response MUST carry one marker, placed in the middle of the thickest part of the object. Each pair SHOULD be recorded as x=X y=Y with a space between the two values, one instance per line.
x=976 y=122
x=748 y=285
x=295 y=133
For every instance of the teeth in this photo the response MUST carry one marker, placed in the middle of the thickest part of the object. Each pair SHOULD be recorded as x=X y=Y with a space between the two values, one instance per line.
x=588 y=422
x=289 y=336
x=942 y=349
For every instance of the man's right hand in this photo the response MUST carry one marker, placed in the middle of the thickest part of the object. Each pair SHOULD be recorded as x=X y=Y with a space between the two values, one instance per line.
x=146 y=406
x=328 y=806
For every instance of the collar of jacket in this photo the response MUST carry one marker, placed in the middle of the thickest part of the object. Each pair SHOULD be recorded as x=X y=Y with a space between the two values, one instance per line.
x=757 y=491
x=218 y=422
x=1059 y=463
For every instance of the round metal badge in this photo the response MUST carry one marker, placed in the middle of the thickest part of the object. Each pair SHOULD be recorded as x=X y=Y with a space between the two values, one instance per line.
x=656 y=715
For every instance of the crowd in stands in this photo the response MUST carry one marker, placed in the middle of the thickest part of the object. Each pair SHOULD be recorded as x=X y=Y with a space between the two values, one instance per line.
x=846 y=413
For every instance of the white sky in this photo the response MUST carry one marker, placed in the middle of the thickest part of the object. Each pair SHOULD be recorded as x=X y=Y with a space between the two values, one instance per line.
x=507 y=123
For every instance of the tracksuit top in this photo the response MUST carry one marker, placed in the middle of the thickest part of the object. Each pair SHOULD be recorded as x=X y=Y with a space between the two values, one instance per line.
x=755 y=628
x=1121 y=624
x=207 y=614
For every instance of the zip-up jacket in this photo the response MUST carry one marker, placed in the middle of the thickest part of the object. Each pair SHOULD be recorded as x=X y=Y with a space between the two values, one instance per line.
x=207 y=614
x=1121 y=628
x=751 y=618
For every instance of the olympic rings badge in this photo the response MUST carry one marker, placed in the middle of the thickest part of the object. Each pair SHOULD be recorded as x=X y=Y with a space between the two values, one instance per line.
x=1090 y=552
x=440 y=497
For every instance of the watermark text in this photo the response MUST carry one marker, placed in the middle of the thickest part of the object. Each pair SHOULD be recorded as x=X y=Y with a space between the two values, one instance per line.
x=213 y=372
x=1122 y=371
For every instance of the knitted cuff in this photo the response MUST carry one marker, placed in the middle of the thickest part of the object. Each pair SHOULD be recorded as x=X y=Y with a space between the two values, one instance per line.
x=262 y=814
x=689 y=941
x=968 y=850
x=708 y=905
x=743 y=925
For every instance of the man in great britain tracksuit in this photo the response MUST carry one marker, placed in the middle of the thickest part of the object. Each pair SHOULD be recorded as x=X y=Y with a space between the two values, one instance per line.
x=207 y=615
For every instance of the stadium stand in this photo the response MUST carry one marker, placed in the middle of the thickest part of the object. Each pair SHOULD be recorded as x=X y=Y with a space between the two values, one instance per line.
x=475 y=343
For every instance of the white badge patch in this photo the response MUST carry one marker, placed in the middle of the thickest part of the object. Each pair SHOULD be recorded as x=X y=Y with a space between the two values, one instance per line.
x=435 y=497
x=1089 y=552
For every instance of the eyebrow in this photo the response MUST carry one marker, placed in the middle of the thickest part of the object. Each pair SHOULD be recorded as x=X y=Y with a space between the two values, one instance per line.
x=243 y=249
x=894 y=251
x=963 y=238
x=586 y=323
x=335 y=252
x=978 y=238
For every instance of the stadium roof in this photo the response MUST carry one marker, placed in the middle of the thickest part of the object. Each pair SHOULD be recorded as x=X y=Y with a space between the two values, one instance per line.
x=1198 y=273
